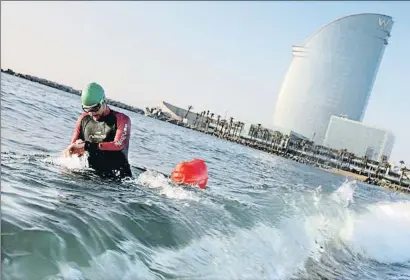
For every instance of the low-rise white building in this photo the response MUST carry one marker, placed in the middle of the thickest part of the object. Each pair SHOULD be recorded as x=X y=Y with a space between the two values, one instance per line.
x=358 y=138
x=190 y=118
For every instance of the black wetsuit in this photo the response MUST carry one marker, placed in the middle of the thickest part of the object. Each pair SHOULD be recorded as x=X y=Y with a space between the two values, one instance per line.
x=107 y=142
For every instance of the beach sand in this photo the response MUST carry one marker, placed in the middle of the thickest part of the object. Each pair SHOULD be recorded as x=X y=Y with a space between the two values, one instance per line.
x=346 y=173
x=390 y=186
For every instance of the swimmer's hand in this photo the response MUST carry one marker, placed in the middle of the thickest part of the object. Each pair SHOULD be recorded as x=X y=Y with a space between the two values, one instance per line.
x=76 y=148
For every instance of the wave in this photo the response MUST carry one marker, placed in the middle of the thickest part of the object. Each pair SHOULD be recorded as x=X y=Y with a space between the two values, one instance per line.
x=313 y=237
x=381 y=233
x=154 y=180
x=72 y=162
x=288 y=249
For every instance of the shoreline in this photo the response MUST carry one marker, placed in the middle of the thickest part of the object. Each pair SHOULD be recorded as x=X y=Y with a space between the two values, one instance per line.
x=345 y=173
x=70 y=90
x=363 y=179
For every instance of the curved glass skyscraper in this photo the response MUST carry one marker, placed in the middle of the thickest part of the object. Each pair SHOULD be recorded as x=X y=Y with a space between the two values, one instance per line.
x=332 y=73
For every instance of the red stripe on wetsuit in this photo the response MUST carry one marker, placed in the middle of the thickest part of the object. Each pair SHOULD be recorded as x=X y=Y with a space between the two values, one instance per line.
x=122 y=135
x=77 y=128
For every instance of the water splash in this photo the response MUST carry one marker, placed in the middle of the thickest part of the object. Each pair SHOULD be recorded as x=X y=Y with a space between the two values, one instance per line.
x=158 y=181
x=108 y=266
x=381 y=233
x=72 y=162
x=261 y=252
x=344 y=194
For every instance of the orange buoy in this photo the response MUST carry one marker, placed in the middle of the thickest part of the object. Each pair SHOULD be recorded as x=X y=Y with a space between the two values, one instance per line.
x=194 y=172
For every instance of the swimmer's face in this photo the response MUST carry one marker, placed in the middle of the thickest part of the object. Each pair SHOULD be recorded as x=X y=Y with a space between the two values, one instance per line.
x=99 y=113
x=96 y=111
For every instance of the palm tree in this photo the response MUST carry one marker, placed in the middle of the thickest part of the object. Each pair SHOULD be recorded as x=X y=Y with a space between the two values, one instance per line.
x=242 y=127
x=222 y=123
x=217 y=124
x=236 y=129
x=387 y=167
x=207 y=118
x=196 y=119
x=230 y=125
x=250 y=132
x=302 y=145
x=202 y=118
x=342 y=154
x=376 y=175
x=403 y=170
x=279 y=138
x=364 y=162
x=286 y=140
x=209 y=121
x=257 y=130
x=316 y=153
x=273 y=139
x=254 y=132
x=350 y=158
x=381 y=164
x=189 y=109
x=266 y=135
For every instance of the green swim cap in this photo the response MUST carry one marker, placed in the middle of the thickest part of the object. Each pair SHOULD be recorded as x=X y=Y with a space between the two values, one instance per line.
x=92 y=94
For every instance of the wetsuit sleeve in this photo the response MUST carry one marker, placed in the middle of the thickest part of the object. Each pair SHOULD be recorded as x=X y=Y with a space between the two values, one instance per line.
x=77 y=130
x=122 y=136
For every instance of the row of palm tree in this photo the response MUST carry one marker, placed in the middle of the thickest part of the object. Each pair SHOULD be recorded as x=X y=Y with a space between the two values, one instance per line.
x=276 y=142
x=221 y=127
x=345 y=159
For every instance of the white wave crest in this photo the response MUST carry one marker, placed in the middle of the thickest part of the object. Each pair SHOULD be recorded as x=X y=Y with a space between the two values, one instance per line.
x=111 y=265
x=382 y=233
x=72 y=162
x=158 y=181
x=264 y=251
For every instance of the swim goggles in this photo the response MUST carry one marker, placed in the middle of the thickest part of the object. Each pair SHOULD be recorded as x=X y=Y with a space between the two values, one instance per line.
x=92 y=108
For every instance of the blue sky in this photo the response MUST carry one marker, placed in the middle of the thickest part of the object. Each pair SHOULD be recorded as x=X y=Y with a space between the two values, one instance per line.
x=228 y=57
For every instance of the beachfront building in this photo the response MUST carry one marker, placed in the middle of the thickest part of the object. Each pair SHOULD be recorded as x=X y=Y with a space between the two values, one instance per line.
x=184 y=115
x=174 y=111
x=211 y=123
x=266 y=134
x=358 y=138
x=332 y=73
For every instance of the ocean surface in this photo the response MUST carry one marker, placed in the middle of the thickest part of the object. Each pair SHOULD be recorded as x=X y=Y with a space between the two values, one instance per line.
x=261 y=217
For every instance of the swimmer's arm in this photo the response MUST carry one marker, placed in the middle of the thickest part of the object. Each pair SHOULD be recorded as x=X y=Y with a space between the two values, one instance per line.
x=77 y=135
x=76 y=144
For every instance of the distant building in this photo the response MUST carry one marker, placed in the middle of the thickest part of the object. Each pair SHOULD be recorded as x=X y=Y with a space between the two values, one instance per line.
x=248 y=131
x=178 y=113
x=358 y=138
x=332 y=73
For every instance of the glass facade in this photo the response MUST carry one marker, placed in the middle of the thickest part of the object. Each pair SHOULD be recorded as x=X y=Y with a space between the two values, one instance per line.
x=332 y=73
x=358 y=138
